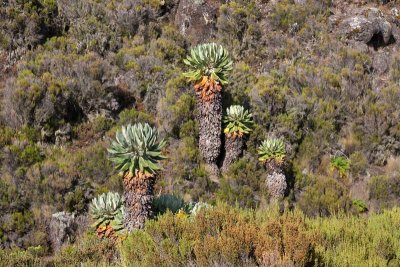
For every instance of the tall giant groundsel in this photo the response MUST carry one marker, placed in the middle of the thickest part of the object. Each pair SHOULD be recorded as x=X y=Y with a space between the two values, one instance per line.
x=209 y=65
x=136 y=151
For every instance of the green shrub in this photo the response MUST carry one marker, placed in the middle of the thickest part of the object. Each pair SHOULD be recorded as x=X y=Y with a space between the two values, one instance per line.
x=20 y=222
x=238 y=29
x=359 y=163
x=88 y=251
x=243 y=184
x=324 y=196
x=19 y=258
x=359 y=241
x=221 y=235
x=286 y=13
x=133 y=116
x=226 y=236
x=385 y=189
x=6 y=135
x=240 y=85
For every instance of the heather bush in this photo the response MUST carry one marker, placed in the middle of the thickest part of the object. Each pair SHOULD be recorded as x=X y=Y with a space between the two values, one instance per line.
x=54 y=89
x=89 y=251
x=27 y=24
x=385 y=190
x=238 y=29
x=226 y=235
x=221 y=235
x=324 y=196
x=244 y=184
x=359 y=241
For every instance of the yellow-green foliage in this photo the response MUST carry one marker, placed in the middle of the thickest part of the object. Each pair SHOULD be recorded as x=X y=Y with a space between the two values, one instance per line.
x=19 y=258
x=237 y=27
x=385 y=189
x=286 y=13
x=359 y=241
x=221 y=235
x=243 y=184
x=241 y=82
x=90 y=251
x=6 y=135
x=324 y=196
x=169 y=46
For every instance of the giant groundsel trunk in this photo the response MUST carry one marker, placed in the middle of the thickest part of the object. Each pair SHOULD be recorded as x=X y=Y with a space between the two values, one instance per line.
x=138 y=197
x=276 y=183
x=209 y=116
x=233 y=150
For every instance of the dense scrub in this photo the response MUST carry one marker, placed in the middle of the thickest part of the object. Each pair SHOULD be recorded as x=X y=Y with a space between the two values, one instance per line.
x=227 y=236
x=73 y=72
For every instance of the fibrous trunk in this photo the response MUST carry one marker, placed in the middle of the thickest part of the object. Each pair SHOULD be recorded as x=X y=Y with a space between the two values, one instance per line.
x=138 y=194
x=233 y=150
x=209 y=116
x=276 y=183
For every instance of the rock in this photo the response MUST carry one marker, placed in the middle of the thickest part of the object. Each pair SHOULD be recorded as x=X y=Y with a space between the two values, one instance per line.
x=359 y=46
x=368 y=25
x=395 y=13
x=300 y=2
x=46 y=134
x=294 y=28
x=380 y=63
x=62 y=229
x=63 y=135
x=333 y=21
x=358 y=28
x=197 y=19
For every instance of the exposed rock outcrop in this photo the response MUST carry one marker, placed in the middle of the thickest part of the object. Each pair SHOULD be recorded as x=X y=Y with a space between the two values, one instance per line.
x=62 y=229
x=197 y=19
x=368 y=25
x=63 y=135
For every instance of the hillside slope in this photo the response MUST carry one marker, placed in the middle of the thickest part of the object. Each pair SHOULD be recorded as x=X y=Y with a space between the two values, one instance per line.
x=322 y=75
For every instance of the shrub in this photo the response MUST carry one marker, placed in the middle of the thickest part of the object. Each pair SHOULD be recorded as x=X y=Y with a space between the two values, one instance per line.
x=241 y=81
x=286 y=13
x=6 y=135
x=221 y=235
x=324 y=196
x=238 y=28
x=89 y=251
x=359 y=241
x=244 y=184
x=19 y=258
x=229 y=236
x=359 y=163
x=385 y=189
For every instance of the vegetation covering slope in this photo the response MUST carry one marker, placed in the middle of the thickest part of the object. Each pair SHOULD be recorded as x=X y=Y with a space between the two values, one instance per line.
x=73 y=72
x=229 y=236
